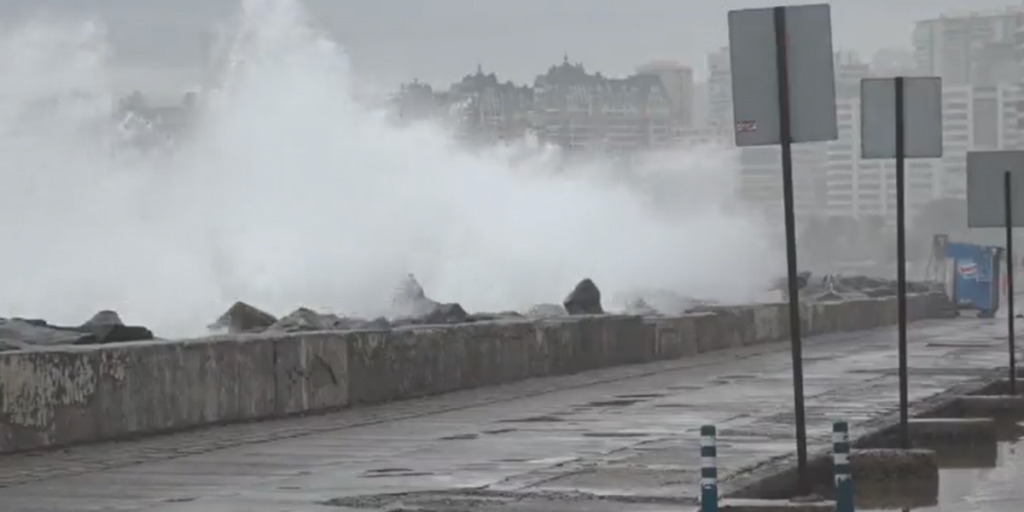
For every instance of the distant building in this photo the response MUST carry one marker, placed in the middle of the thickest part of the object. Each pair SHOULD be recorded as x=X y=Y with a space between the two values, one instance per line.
x=578 y=110
x=491 y=110
x=677 y=81
x=719 y=86
x=894 y=62
x=978 y=117
x=859 y=188
x=962 y=48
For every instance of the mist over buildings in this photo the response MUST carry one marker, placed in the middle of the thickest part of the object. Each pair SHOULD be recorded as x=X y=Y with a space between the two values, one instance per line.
x=312 y=153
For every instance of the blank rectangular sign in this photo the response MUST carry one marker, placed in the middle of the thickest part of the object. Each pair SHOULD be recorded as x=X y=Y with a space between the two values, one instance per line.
x=755 y=88
x=985 y=175
x=922 y=117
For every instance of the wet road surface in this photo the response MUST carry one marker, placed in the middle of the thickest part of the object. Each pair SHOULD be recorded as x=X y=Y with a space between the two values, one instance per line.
x=630 y=432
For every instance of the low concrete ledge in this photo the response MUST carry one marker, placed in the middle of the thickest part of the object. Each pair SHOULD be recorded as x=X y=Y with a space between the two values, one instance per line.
x=998 y=407
x=70 y=395
x=953 y=431
x=887 y=479
x=887 y=466
x=754 y=505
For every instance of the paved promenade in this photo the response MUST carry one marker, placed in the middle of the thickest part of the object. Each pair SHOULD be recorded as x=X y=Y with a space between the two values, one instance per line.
x=628 y=432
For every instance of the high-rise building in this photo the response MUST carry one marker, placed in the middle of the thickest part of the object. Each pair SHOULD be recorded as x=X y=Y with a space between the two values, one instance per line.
x=867 y=188
x=966 y=48
x=893 y=62
x=980 y=117
x=719 y=93
x=677 y=81
x=849 y=70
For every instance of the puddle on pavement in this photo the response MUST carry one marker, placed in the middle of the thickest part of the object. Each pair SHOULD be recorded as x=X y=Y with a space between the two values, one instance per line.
x=978 y=478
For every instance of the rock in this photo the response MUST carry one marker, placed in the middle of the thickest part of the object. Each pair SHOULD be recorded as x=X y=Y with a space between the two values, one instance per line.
x=116 y=333
x=486 y=317
x=104 y=317
x=242 y=317
x=377 y=324
x=441 y=314
x=19 y=331
x=410 y=301
x=107 y=327
x=411 y=306
x=546 y=311
x=304 y=319
x=10 y=346
x=585 y=299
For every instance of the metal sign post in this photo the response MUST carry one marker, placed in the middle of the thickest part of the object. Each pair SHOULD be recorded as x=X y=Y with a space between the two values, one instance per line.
x=995 y=199
x=901 y=118
x=778 y=53
x=1010 y=313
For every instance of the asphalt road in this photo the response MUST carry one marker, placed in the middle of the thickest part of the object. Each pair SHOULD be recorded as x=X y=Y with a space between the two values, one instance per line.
x=630 y=433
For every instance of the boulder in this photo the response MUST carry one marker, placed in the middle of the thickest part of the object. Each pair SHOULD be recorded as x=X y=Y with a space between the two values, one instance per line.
x=304 y=319
x=242 y=317
x=107 y=327
x=585 y=299
x=451 y=313
x=104 y=317
x=21 y=332
x=486 y=317
x=361 y=324
x=411 y=306
x=410 y=301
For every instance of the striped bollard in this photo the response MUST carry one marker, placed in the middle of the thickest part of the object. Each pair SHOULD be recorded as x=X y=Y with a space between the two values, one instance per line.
x=708 y=470
x=841 y=466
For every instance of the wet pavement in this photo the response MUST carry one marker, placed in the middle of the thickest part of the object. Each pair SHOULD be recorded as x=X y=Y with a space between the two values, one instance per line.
x=994 y=487
x=630 y=434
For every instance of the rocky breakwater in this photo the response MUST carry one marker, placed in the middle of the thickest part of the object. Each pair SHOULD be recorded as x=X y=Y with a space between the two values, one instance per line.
x=261 y=366
x=104 y=327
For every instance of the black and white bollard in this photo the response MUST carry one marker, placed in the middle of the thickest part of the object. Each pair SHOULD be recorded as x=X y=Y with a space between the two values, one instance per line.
x=708 y=470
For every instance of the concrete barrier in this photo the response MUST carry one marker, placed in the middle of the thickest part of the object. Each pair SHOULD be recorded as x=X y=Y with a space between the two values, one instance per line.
x=999 y=407
x=70 y=395
x=929 y=432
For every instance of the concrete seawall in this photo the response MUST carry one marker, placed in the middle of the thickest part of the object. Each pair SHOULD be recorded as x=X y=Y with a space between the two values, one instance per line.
x=73 y=395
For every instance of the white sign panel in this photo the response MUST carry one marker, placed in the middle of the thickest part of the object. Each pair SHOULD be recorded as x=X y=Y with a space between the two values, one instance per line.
x=986 y=174
x=755 y=88
x=922 y=117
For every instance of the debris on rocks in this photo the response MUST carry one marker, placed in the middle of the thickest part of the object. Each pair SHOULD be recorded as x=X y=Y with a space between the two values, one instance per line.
x=585 y=299
x=242 y=317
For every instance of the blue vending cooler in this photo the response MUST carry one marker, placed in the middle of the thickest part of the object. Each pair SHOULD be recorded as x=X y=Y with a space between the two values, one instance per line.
x=973 y=277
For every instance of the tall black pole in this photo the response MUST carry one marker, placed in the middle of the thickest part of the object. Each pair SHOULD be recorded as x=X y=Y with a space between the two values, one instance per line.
x=1010 y=313
x=785 y=134
x=901 y=262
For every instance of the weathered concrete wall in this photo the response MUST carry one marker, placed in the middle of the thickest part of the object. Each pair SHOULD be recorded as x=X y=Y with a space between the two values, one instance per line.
x=80 y=394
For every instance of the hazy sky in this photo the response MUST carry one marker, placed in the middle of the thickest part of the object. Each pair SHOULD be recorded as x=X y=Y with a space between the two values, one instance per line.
x=440 y=40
